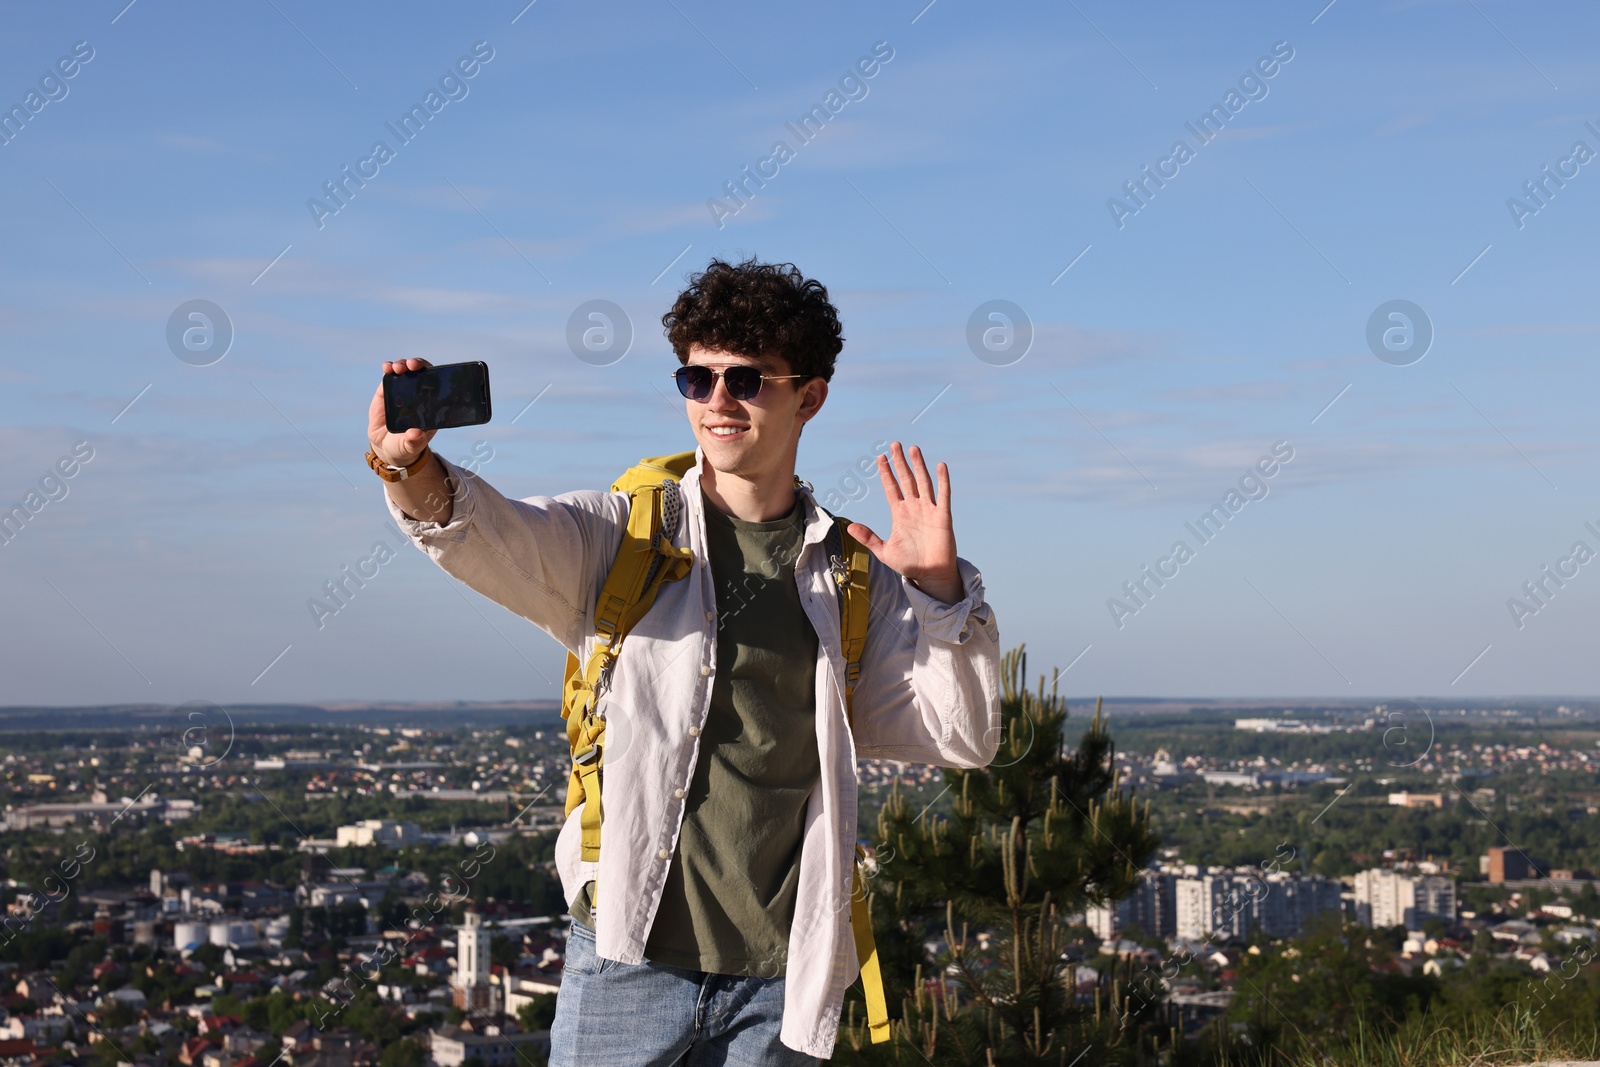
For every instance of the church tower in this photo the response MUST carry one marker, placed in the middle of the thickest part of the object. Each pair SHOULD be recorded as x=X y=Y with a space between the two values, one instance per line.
x=473 y=993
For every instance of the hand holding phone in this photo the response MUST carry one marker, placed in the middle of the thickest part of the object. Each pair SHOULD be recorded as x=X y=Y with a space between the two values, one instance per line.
x=396 y=449
x=434 y=398
x=398 y=436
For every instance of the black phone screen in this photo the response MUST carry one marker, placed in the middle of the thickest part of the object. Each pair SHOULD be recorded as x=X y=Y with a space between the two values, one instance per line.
x=456 y=394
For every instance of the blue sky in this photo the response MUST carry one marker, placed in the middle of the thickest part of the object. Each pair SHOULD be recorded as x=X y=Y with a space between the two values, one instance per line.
x=1221 y=318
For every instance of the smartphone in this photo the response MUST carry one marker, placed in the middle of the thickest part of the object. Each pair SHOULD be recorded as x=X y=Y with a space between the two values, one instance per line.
x=434 y=398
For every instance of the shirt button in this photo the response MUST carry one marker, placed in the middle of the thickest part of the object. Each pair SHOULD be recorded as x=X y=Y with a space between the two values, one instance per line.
x=663 y=855
x=705 y=672
x=711 y=616
x=694 y=731
x=678 y=793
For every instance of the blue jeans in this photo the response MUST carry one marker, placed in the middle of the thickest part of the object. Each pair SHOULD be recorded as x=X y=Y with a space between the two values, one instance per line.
x=646 y=1014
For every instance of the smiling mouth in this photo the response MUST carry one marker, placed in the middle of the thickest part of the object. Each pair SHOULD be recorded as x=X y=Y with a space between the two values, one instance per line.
x=726 y=432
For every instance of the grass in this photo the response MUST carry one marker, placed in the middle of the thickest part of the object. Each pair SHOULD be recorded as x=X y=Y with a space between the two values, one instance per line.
x=1513 y=1036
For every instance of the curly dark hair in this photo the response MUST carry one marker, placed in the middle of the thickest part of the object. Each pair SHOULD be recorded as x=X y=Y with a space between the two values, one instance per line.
x=757 y=309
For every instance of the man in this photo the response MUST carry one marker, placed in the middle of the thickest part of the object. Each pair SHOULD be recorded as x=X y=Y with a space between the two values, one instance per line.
x=715 y=926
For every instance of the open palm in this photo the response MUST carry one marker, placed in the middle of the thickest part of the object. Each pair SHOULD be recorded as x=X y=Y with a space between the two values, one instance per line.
x=922 y=539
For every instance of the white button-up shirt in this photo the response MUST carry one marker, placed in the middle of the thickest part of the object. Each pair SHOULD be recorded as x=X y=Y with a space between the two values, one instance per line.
x=928 y=693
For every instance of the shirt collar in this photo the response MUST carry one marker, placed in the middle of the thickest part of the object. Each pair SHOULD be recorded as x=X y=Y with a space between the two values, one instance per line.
x=817 y=521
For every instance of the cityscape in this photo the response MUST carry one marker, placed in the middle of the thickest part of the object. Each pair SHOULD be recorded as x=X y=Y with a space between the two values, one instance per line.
x=232 y=895
x=1220 y=357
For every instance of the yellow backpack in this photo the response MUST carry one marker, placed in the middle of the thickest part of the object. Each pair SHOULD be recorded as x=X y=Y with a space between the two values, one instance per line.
x=646 y=560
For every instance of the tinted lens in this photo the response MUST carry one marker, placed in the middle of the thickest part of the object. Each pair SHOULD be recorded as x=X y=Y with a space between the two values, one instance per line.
x=743 y=382
x=694 y=381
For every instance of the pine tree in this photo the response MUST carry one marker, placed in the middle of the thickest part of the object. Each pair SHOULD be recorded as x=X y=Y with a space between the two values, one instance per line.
x=1039 y=834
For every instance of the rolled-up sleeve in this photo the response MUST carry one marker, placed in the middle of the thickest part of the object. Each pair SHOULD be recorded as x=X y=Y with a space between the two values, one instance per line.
x=542 y=557
x=929 y=690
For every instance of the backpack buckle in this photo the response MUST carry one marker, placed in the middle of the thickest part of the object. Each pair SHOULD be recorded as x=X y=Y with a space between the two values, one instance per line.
x=587 y=756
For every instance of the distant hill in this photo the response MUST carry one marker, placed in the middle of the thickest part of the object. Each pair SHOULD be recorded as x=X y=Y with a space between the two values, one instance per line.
x=547 y=712
x=1542 y=706
x=160 y=716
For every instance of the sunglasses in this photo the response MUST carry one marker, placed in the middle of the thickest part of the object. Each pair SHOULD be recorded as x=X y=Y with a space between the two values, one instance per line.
x=743 y=383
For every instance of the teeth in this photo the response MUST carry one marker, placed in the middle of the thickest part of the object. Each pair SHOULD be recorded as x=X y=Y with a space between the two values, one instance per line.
x=726 y=431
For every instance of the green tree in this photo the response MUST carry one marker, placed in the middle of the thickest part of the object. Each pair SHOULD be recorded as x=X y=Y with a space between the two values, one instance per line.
x=347 y=920
x=1333 y=981
x=1587 y=903
x=1040 y=833
x=403 y=1053
x=505 y=950
x=109 y=1053
x=538 y=1013
x=80 y=961
x=114 y=1015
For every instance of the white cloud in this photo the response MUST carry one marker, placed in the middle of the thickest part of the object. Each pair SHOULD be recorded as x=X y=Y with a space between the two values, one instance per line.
x=1402 y=124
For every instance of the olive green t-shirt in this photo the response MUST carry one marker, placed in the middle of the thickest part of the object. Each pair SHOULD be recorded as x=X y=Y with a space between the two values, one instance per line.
x=729 y=898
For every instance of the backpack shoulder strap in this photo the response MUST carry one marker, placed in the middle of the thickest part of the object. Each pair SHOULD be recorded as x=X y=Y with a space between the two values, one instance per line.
x=867 y=955
x=653 y=470
x=646 y=560
x=850 y=561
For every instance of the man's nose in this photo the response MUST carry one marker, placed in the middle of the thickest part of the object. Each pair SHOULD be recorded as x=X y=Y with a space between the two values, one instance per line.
x=720 y=399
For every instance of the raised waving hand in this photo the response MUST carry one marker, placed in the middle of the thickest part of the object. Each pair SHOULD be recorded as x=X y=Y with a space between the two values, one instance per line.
x=922 y=539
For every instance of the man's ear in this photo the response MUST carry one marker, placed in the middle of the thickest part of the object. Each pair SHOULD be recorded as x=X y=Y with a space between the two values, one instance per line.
x=816 y=391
